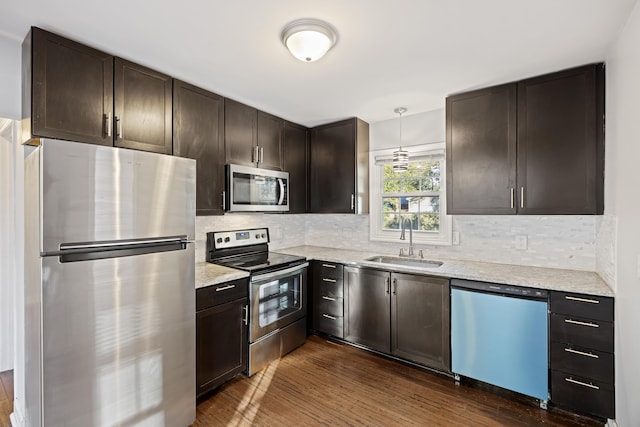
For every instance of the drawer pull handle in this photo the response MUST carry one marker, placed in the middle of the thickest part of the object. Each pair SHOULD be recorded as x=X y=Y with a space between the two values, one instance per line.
x=571 y=380
x=329 y=317
x=576 y=322
x=324 y=279
x=590 y=301
x=225 y=288
x=328 y=298
x=329 y=265
x=581 y=353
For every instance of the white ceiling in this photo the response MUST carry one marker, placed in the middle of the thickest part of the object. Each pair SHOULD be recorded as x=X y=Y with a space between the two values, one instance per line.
x=389 y=53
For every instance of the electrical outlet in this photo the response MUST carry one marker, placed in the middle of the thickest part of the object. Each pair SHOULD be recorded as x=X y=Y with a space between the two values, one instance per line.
x=456 y=238
x=521 y=243
x=276 y=233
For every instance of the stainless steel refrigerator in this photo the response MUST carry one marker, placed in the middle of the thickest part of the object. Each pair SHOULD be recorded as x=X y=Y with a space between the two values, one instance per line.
x=109 y=287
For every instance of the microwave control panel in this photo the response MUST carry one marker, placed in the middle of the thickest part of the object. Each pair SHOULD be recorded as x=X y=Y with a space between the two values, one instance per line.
x=240 y=238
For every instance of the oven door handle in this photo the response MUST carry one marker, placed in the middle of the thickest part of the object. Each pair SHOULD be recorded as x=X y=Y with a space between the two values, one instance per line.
x=278 y=274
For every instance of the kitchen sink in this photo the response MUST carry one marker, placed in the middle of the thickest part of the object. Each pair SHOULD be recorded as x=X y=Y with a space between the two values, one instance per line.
x=410 y=262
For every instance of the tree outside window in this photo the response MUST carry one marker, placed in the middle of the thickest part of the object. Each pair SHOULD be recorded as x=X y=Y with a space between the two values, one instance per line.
x=413 y=194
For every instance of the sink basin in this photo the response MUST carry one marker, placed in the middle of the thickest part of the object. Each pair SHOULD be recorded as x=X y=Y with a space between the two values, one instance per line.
x=411 y=262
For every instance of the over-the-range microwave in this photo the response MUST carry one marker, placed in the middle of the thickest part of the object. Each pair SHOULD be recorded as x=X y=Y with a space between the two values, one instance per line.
x=251 y=189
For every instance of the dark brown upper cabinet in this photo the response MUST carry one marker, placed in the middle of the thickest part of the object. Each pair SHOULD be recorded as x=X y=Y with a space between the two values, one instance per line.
x=142 y=108
x=240 y=133
x=252 y=137
x=67 y=90
x=270 y=135
x=296 y=157
x=198 y=133
x=481 y=151
x=339 y=167
x=73 y=92
x=561 y=142
x=529 y=147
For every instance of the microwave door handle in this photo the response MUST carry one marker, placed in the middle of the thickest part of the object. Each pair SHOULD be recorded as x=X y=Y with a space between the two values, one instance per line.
x=281 y=186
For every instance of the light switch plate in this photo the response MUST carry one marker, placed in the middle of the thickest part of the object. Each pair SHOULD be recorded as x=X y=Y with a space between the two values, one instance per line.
x=521 y=242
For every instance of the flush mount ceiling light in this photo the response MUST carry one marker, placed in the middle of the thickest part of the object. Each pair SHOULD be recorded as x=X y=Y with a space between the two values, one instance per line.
x=309 y=39
x=400 y=156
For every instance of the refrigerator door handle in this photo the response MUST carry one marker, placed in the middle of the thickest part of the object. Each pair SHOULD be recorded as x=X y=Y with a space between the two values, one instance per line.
x=89 y=247
x=94 y=251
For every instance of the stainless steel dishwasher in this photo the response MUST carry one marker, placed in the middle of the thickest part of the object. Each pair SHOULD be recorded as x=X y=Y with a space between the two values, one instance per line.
x=499 y=335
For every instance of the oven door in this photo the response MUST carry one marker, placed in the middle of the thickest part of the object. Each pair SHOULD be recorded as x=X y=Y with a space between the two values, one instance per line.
x=277 y=299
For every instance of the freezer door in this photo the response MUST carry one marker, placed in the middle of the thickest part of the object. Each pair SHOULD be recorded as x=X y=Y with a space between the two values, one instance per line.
x=118 y=340
x=91 y=193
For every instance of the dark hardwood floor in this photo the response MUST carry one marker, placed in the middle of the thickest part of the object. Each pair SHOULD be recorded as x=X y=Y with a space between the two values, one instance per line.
x=331 y=384
x=6 y=397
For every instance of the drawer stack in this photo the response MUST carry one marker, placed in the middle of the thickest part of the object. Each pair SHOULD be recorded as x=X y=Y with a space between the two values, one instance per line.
x=328 y=303
x=581 y=353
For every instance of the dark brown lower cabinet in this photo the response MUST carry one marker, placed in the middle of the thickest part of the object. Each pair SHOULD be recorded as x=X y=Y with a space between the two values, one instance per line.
x=327 y=309
x=420 y=319
x=368 y=317
x=582 y=353
x=221 y=334
x=404 y=315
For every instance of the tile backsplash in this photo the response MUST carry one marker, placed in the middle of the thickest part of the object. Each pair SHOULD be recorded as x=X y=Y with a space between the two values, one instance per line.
x=553 y=241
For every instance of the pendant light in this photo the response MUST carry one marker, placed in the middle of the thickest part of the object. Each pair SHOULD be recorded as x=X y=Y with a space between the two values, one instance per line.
x=308 y=39
x=400 y=156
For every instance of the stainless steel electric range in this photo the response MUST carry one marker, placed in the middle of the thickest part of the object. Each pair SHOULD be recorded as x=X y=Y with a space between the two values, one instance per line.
x=277 y=292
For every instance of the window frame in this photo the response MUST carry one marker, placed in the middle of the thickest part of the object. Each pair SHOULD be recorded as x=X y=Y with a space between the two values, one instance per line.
x=376 y=181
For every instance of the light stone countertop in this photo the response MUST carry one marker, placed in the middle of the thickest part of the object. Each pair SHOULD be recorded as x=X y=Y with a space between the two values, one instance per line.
x=208 y=274
x=585 y=282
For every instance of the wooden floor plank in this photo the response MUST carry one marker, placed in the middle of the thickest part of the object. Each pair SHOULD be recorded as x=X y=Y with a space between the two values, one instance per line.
x=332 y=384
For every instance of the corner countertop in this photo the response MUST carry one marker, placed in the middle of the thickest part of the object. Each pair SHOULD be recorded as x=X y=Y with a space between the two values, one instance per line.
x=208 y=274
x=585 y=282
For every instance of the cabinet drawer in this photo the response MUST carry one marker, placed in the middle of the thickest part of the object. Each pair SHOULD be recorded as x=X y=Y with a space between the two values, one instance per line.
x=221 y=293
x=331 y=325
x=582 y=394
x=586 y=306
x=330 y=305
x=587 y=363
x=330 y=270
x=327 y=286
x=586 y=333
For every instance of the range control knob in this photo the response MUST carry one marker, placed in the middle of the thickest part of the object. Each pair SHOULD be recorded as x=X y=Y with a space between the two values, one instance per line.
x=227 y=239
x=257 y=236
x=219 y=240
x=264 y=235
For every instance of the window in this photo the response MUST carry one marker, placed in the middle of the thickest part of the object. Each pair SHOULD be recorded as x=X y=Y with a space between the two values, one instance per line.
x=416 y=196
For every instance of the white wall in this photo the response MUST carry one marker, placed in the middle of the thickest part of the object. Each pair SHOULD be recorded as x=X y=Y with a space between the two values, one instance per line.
x=10 y=60
x=10 y=78
x=8 y=265
x=623 y=202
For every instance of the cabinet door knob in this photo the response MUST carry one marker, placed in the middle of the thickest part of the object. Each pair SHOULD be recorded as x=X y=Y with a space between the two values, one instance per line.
x=353 y=202
x=522 y=197
x=107 y=123
x=513 y=196
x=246 y=314
x=119 y=134
x=224 y=201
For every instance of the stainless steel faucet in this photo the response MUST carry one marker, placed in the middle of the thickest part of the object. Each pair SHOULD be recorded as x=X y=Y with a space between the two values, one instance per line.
x=402 y=235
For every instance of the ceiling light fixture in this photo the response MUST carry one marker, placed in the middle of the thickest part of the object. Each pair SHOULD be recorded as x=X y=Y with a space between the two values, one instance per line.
x=309 y=39
x=400 y=156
